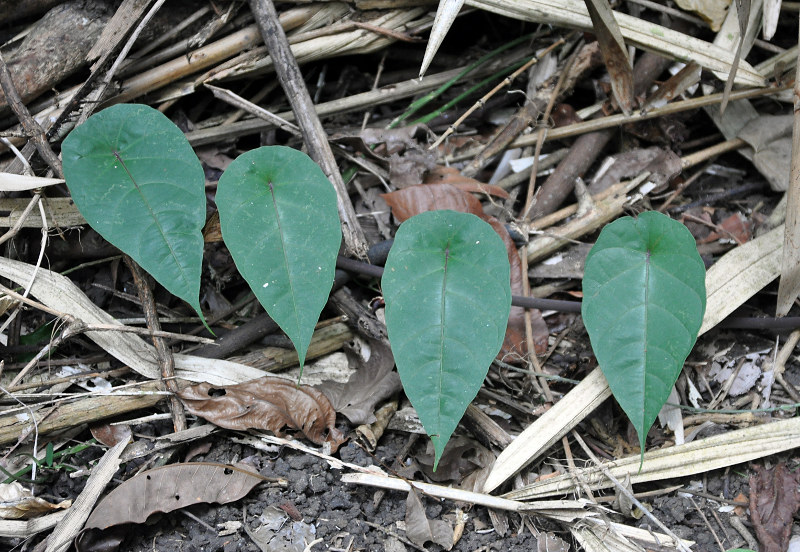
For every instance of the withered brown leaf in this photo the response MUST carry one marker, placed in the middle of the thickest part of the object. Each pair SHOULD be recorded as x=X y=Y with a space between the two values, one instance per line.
x=774 y=499
x=373 y=382
x=163 y=489
x=269 y=403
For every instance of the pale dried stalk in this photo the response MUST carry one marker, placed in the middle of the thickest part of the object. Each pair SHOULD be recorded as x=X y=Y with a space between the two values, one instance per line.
x=505 y=82
x=789 y=287
x=603 y=211
x=620 y=119
x=702 y=455
x=645 y=35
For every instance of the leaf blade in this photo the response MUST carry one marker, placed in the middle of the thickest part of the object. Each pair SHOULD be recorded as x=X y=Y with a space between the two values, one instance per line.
x=279 y=219
x=135 y=178
x=644 y=299
x=447 y=291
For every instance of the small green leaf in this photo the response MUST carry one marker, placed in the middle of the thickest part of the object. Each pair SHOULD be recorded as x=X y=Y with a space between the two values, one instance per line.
x=138 y=183
x=448 y=297
x=644 y=296
x=280 y=221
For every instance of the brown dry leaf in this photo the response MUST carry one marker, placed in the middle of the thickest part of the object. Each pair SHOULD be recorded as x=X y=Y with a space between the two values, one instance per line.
x=735 y=227
x=394 y=140
x=414 y=200
x=675 y=86
x=409 y=169
x=514 y=344
x=165 y=489
x=373 y=382
x=269 y=403
x=110 y=435
x=452 y=176
x=464 y=461
x=662 y=164
x=212 y=231
x=419 y=529
x=774 y=499
x=17 y=502
x=612 y=46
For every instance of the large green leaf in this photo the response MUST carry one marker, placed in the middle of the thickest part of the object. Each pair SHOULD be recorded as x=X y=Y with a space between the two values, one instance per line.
x=279 y=219
x=136 y=180
x=644 y=295
x=447 y=293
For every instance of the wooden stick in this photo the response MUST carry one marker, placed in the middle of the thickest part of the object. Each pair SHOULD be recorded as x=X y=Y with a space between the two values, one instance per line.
x=164 y=354
x=314 y=135
x=28 y=123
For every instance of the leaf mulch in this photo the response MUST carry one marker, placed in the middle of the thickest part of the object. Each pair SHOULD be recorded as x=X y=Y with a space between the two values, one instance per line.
x=602 y=139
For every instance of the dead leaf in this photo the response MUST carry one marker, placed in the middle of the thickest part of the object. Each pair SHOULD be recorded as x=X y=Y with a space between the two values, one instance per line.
x=771 y=139
x=615 y=55
x=17 y=502
x=414 y=200
x=166 y=489
x=662 y=164
x=748 y=374
x=110 y=435
x=774 y=499
x=452 y=176
x=394 y=140
x=464 y=461
x=373 y=382
x=410 y=168
x=419 y=529
x=269 y=403
x=735 y=227
x=674 y=86
x=213 y=157
x=713 y=11
x=515 y=345
x=549 y=542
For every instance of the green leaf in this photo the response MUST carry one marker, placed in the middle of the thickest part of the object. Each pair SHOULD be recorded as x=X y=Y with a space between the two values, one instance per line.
x=644 y=295
x=448 y=297
x=280 y=221
x=136 y=180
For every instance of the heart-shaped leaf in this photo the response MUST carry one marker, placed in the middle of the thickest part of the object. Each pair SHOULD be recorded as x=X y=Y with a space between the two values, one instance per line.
x=644 y=296
x=279 y=219
x=134 y=177
x=447 y=293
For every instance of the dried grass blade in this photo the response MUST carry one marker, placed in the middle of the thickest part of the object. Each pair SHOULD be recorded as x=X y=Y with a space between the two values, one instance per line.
x=59 y=293
x=445 y=15
x=645 y=35
x=789 y=287
x=615 y=56
x=701 y=455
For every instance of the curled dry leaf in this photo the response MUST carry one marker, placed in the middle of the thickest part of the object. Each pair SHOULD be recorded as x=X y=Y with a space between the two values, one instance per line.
x=164 y=489
x=419 y=529
x=774 y=499
x=451 y=175
x=17 y=502
x=414 y=200
x=267 y=403
x=408 y=169
x=110 y=435
x=373 y=382
x=464 y=461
